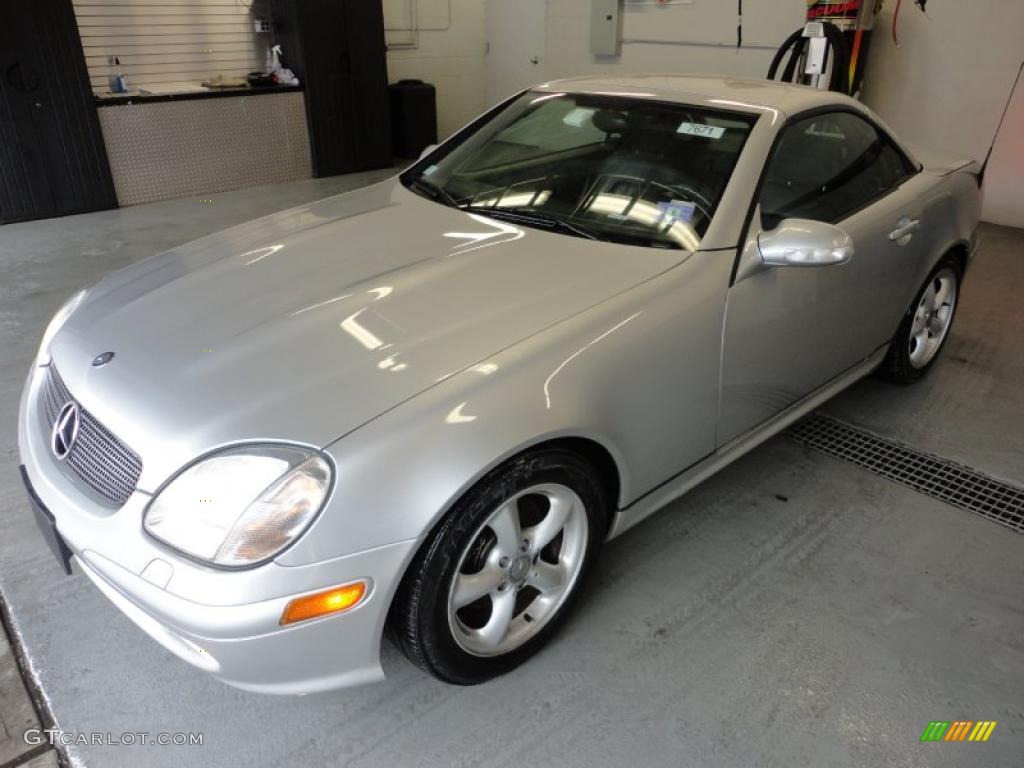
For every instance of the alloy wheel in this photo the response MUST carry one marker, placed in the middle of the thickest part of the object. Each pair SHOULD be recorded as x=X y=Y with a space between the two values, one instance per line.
x=932 y=318
x=518 y=570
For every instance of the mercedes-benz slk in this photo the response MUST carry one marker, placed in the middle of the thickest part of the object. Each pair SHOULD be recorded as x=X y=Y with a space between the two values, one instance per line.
x=425 y=405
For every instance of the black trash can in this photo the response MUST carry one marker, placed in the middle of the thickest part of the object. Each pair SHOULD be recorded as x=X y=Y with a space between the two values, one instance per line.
x=413 y=117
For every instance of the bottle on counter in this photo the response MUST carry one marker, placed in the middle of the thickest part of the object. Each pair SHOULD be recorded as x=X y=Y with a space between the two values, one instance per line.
x=118 y=82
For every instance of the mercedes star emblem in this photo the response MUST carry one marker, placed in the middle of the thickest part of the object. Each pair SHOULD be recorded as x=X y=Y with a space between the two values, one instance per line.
x=65 y=430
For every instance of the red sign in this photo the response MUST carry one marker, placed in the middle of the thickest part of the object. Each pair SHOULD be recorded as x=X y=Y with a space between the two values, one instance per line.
x=825 y=10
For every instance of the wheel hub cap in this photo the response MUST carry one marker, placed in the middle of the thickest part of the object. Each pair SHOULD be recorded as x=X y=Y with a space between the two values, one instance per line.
x=519 y=568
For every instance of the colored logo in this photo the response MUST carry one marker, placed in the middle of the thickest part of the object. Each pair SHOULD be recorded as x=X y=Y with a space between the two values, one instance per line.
x=958 y=730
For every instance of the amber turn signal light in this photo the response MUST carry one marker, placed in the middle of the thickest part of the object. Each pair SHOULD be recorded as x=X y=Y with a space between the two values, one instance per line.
x=324 y=603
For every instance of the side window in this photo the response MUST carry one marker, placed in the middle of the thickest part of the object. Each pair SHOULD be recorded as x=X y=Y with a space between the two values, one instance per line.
x=826 y=167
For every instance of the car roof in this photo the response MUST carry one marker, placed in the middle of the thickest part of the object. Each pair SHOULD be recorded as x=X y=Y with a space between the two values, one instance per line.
x=722 y=92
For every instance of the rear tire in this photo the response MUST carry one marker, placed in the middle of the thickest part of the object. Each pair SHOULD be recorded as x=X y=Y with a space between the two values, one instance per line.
x=497 y=577
x=926 y=326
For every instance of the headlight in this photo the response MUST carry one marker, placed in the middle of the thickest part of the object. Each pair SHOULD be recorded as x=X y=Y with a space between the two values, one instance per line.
x=241 y=506
x=56 y=323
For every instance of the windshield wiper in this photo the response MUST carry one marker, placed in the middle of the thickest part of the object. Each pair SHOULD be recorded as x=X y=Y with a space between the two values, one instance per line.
x=535 y=218
x=433 y=191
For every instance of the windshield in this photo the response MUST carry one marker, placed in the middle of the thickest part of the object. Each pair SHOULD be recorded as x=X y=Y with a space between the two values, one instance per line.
x=627 y=170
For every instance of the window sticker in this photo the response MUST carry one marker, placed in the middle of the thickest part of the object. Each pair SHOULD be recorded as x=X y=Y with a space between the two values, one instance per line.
x=699 y=129
x=578 y=116
x=431 y=169
x=676 y=210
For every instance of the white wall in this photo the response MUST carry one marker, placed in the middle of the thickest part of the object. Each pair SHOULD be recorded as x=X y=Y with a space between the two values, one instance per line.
x=167 y=41
x=948 y=82
x=711 y=22
x=446 y=50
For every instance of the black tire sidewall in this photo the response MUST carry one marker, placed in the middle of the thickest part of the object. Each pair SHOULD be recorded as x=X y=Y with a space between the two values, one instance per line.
x=444 y=550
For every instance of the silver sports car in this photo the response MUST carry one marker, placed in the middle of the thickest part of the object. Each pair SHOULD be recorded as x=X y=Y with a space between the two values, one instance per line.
x=425 y=405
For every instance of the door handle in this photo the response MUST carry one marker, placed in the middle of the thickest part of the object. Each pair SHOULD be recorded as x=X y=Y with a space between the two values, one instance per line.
x=905 y=229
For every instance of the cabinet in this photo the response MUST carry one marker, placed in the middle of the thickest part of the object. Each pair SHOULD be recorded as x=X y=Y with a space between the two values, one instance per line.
x=52 y=158
x=336 y=48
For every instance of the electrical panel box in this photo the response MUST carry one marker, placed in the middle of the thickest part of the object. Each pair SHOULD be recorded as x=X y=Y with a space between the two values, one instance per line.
x=606 y=27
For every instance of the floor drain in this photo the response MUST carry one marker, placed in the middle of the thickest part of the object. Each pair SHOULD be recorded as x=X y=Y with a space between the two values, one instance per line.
x=943 y=479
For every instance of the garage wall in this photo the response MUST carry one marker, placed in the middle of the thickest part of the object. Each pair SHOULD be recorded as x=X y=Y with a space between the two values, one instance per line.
x=426 y=42
x=711 y=23
x=441 y=42
x=168 y=41
x=948 y=82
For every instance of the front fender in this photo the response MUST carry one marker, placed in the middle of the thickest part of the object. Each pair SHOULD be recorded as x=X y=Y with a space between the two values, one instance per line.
x=398 y=475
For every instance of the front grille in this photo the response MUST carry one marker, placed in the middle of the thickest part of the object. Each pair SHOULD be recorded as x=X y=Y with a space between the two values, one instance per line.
x=98 y=458
x=932 y=475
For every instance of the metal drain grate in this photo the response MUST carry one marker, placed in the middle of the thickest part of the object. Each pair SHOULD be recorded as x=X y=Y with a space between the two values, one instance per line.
x=943 y=479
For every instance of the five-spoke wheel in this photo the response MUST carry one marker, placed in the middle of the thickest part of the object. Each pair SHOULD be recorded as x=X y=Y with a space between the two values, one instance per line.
x=933 y=317
x=494 y=579
x=517 y=569
x=926 y=325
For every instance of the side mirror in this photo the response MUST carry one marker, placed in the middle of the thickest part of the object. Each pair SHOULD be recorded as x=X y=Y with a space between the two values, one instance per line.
x=805 y=243
x=427 y=150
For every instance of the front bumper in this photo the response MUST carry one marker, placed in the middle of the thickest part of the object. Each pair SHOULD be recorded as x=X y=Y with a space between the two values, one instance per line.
x=322 y=654
x=224 y=622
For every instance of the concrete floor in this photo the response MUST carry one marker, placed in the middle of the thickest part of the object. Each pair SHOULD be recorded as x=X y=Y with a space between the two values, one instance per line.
x=794 y=610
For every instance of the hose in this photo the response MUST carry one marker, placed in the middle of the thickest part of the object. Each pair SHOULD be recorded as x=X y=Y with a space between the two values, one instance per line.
x=896 y=18
x=840 y=79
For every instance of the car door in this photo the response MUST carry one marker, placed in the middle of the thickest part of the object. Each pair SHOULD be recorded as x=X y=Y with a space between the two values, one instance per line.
x=790 y=330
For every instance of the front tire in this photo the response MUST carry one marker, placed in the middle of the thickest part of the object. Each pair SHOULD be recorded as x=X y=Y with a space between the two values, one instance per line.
x=925 y=327
x=496 y=578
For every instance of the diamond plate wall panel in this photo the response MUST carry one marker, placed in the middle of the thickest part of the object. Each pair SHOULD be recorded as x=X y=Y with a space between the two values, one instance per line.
x=202 y=146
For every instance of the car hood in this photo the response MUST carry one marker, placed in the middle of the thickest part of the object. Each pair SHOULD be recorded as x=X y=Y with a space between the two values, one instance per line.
x=304 y=325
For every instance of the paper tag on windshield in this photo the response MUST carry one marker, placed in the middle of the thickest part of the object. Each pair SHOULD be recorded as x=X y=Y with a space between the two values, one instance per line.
x=699 y=129
x=676 y=210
